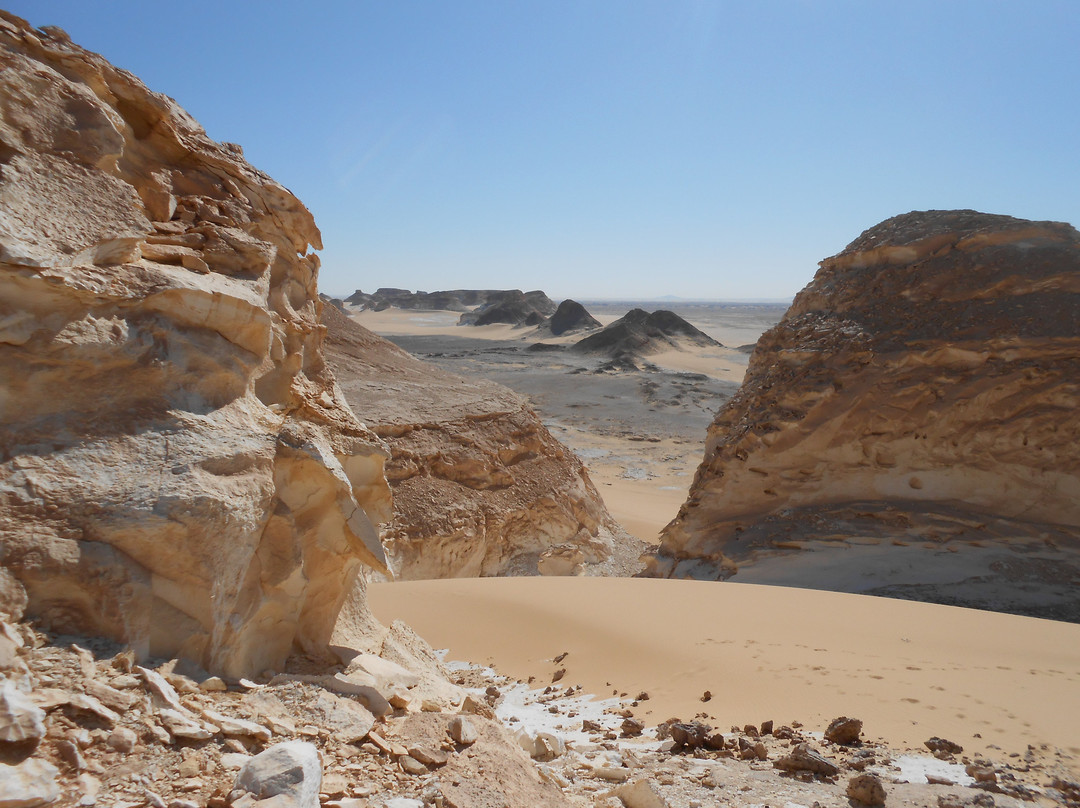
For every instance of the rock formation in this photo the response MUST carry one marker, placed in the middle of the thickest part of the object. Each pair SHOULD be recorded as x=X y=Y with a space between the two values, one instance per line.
x=641 y=333
x=178 y=470
x=922 y=387
x=512 y=307
x=571 y=316
x=480 y=485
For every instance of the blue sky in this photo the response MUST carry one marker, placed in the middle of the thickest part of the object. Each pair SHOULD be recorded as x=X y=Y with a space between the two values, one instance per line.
x=616 y=149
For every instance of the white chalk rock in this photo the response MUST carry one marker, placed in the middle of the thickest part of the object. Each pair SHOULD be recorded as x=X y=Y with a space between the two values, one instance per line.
x=31 y=783
x=291 y=770
x=20 y=719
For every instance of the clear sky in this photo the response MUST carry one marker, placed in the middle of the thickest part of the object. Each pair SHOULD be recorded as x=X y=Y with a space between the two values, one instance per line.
x=616 y=149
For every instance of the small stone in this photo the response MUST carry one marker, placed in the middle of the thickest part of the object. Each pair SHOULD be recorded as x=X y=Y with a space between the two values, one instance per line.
x=866 y=789
x=122 y=739
x=766 y=727
x=215 y=684
x=803 y=758
x=613 y=774
x=428 y=756
x=411 y=765
x=982 y=774
x=463 y=731
x=190 y=767
x=81 y=702
x=234 y=761
x=162 y=693
x=111 y=697
x=632 y=727
x=558 y=675
x=706 y=696
x=640 y=794
x=691 y=735
x=70 y=754
x=183 y=726
x=937 y=744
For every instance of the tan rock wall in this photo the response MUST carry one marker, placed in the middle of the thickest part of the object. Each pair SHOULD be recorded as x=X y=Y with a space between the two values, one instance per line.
x=178 y=469
x=931 y=368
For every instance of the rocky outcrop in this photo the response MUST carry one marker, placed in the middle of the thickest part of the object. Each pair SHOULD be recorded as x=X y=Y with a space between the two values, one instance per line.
x=512 y=307
x=178 y=470
x=480 y=485
x=641 y=333
x=922 y=387
x=571 y=316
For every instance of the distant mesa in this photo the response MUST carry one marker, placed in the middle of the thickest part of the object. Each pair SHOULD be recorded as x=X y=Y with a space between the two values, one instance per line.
x=389 y=297
x=640 y=333
x=571 y=316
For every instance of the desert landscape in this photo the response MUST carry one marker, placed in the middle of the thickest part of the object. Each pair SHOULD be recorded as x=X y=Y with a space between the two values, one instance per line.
x=483 y=548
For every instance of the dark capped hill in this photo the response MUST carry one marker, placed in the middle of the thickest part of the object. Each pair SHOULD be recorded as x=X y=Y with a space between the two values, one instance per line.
x=640 y=333
x=569 y=317
x=512 y=307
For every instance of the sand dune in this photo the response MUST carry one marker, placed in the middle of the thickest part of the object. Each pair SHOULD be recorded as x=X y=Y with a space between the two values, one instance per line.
x=909 y=670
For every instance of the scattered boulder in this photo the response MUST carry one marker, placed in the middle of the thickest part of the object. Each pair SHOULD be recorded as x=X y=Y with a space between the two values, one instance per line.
x=937 y=744
x=291 y=771
x=866 y=789
x=805 y=759
x=844 y=731
x=690 y=735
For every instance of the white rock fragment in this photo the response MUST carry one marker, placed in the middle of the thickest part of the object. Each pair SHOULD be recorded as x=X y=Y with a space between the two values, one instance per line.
x=20 y=719
x=30 y=783
x=291 y=770
x=463 y=731
x=640 y=794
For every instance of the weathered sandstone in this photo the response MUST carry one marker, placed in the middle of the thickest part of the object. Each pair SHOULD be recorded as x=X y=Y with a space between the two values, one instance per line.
x=178 y=470
x=922 y=387
x=480 y=486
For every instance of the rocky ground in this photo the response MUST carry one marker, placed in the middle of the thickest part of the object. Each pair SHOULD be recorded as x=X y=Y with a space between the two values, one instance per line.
x=82 y=724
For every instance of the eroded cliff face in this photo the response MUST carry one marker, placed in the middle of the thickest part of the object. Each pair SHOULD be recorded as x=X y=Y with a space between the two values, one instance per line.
x=178 y=469
x=480 y=486
x=924 y=386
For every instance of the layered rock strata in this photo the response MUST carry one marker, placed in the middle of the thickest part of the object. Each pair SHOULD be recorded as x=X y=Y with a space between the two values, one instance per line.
x=924 y=386
x=178 y=470
x=480 y=486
